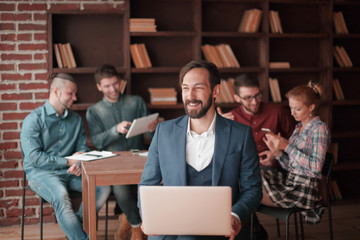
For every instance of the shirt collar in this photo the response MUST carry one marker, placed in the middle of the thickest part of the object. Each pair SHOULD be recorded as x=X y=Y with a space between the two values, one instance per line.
x=51 y=110
x=211 y=129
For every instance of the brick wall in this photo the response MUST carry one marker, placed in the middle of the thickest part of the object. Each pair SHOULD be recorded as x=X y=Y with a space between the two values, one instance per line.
x=23 y=87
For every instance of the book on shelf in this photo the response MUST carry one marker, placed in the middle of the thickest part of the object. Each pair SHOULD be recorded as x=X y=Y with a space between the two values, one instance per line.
x=64 y=55
x=339 y=23
x=160 y=96
x=226 y=92
x=275 y=23
x=341 y=57
x=250 y=21
x=221 y=55
x=122 y=86
x=58 y=56
x=277 y=65
x=142 y=25
x=275 y=89
x=339 y=94
x=140 y=56
x=335 y=190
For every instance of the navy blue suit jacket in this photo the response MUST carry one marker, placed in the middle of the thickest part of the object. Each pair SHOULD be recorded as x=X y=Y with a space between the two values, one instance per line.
x=235 y=161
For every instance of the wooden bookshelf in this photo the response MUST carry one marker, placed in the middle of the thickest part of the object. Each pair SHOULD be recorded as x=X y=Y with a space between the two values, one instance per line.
x=307 y=41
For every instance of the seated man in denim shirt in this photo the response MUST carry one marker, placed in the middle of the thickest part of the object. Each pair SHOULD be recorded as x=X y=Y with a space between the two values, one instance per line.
x=49 y=133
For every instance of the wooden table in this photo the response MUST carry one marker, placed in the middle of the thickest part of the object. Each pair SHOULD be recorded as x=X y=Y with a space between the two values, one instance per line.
x=122 y=169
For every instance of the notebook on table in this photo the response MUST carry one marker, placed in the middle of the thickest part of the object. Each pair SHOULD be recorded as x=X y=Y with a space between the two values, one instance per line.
x=186 y=210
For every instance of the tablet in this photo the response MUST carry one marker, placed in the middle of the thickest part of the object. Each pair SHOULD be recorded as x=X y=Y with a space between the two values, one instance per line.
x=138 y=126
x=186 y=210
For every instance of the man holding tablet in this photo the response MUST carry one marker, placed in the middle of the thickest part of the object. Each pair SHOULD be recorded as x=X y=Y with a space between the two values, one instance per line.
x=109 y=121
x=204 y=149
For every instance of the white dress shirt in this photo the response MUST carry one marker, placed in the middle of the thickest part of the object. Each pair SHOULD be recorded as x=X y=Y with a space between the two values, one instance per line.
x=200 y=148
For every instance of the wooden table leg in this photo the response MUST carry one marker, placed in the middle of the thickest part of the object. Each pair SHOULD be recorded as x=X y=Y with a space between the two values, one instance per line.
x=92 y=207
x=85 y=201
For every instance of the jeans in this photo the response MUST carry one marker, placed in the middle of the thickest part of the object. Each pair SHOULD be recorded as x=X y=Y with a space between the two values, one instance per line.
x=53 y=187
x=126 y=197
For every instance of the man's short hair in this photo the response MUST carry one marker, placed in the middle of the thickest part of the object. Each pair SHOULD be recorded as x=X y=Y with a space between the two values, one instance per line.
x=57 y=80
x=244 y=80
x=214 y=75
x=105 y=71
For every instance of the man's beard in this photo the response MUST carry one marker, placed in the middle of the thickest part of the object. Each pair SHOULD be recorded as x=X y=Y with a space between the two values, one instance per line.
x=251 y=109
x=204 y=109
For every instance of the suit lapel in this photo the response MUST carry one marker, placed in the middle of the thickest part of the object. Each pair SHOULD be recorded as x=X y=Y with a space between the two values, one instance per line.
x=180 y=149
x=222 y=138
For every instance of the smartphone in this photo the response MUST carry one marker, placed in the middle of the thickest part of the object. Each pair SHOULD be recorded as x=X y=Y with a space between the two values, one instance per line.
x=266 y=130
x=135 y=151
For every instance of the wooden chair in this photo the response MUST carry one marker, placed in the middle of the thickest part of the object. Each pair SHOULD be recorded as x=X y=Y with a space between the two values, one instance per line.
x=285 y=213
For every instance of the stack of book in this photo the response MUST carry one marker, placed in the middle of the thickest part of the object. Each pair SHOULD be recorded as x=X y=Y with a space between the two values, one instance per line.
x=250 y=21
x=64 y=55
x=221 y=55
x=339 y=23
x=140 y=56
x=276 y=65
x=339 y=94
x=275 y=89
x=160 y=96
x=142 y=25
x=227 y=91
x=275 y=24
x=341 y=57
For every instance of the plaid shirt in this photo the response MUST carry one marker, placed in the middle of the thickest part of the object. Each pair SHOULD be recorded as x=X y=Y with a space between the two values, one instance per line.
x=306 y=151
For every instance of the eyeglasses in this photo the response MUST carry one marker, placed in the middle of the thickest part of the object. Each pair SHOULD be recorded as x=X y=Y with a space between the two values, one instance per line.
x=257 y=97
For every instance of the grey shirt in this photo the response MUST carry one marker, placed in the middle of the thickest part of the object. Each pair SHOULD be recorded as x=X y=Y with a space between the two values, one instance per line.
x=104 y=116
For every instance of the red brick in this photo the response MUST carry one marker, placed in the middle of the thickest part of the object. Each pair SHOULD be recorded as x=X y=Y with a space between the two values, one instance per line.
x=16 y=76
x=16 y=96
x=7 y=47
x=7 y=86
x=8 y=106
x=30 y=86
x=9 y=221
x=42 y=95
x=11 y=135
x=7 y=26
x=7 y=67
x=32 y=66
x=40 y=16
x=7 y=7
x=31 y=7
x=13 y=212
x=24 y=37
x=34 y=201
x=49 y=218
x=41 y=76
x=14 y=116
x=30 y=46
x=31 y=26
x=30 y=106
x=40 y=36
x=48 y=210
x=65 y=7
x=11 y=125
x=15 y=17
x=8 y=145
x=15 y=56
x=8 y=37
x=12 y=183
x=13 y=174
x=13 y=155
x=39 y=56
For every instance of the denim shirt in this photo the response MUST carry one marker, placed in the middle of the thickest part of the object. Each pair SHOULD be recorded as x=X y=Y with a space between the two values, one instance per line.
x=104 y=116
x=46 y=138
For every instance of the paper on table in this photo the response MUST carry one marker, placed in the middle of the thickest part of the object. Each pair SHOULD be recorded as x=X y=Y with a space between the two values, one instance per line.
x=138 y=126
x=92 y=155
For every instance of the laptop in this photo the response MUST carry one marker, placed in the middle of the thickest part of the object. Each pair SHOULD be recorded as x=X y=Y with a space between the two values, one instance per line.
x=186 y=210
